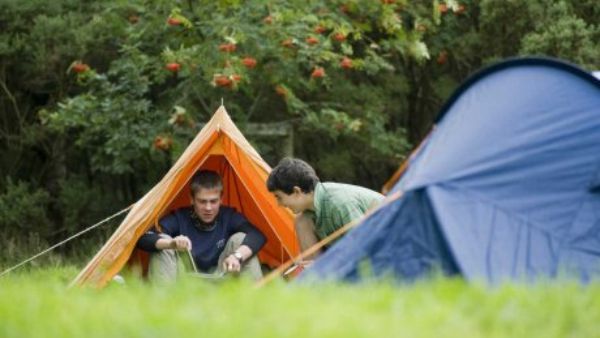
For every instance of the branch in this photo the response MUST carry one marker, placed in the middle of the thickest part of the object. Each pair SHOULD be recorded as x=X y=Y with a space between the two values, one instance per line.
x=12 y=99
x=204 y=105
x=4 y=134
x=254 y=104
x=328 y=104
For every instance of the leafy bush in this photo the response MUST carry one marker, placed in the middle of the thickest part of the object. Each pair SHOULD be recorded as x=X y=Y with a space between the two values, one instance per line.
x=23 y=209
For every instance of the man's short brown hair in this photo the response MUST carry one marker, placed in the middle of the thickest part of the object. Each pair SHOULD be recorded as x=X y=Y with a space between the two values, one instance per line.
x=205 y=179
x=290 y=173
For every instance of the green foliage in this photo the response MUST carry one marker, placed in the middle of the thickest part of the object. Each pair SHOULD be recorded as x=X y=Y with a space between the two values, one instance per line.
x=83 y=204
x=23 y=209
x=28 y=226
x=113 y=120
x=25 y=222
x=562 y=34
x=121 y=113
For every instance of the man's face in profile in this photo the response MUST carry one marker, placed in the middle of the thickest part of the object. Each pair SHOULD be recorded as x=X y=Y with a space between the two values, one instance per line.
x=206 y=204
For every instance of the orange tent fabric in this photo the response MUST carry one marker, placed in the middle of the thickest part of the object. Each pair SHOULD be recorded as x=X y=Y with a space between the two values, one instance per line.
x=219 y=146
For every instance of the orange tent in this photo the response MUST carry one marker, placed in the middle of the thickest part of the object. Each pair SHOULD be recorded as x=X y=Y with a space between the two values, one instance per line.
x=219 y=146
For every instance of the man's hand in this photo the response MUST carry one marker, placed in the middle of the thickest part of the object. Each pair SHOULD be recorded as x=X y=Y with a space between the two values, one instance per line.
x=298 y=267
x=306 y=263
x=181 y=243
x=231 y=264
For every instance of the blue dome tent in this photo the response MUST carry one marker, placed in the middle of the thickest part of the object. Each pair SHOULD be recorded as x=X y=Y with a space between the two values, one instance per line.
x=506 y=186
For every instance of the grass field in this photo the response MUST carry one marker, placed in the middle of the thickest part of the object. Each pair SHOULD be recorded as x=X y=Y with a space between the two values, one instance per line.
x=37 y=303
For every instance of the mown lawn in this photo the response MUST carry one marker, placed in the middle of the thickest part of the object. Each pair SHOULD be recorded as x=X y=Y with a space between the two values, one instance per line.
x=37 y=303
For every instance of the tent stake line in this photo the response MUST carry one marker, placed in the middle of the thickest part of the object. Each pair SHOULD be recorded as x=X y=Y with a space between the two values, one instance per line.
x=64 y=241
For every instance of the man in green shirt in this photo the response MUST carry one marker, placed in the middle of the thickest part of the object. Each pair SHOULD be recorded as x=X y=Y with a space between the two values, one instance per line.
x=321 y=208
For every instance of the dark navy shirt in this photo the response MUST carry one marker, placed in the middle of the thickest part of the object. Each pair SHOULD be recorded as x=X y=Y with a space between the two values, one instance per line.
x=207 y=244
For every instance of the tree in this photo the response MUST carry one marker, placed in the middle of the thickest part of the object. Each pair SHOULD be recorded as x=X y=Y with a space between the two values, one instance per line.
x=307 y=62
x=98 y=99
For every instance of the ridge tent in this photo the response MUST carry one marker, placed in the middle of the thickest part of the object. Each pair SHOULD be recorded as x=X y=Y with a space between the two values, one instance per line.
x=219 y=146
x=505 y=187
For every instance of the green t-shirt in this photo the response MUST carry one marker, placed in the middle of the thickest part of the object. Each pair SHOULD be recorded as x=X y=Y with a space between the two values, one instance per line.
x=337 y=204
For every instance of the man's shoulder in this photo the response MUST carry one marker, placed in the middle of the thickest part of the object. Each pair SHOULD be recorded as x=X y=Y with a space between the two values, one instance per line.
x=227 y=210
x=344 y=191
x=185 y=211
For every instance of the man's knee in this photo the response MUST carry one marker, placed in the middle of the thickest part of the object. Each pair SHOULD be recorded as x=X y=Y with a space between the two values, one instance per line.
x=236 y=239
x=161 y=235
x=163 y=264
x=165 y=252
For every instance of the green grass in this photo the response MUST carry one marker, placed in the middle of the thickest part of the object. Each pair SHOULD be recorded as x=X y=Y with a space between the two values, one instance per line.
x=37 y=303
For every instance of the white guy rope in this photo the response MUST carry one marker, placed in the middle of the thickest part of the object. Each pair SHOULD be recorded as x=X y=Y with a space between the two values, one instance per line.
x=64 y=241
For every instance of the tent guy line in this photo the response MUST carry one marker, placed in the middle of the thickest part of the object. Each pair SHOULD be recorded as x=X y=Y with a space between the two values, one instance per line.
x=64 y=241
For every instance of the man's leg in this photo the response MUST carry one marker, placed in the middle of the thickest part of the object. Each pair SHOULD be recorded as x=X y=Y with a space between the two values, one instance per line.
x=251 y=267
x=163 y=265
x=305 y=230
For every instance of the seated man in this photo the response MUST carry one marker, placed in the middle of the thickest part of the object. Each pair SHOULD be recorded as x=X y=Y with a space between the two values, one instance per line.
x=322 y=208
x=220 y=239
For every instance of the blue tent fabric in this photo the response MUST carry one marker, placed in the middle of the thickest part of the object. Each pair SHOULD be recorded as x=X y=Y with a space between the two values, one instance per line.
x=507 y=186
x=402 y=238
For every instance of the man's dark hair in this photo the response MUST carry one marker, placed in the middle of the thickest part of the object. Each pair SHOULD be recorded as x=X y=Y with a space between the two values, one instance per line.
x=206 y=179
x=291 y=172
